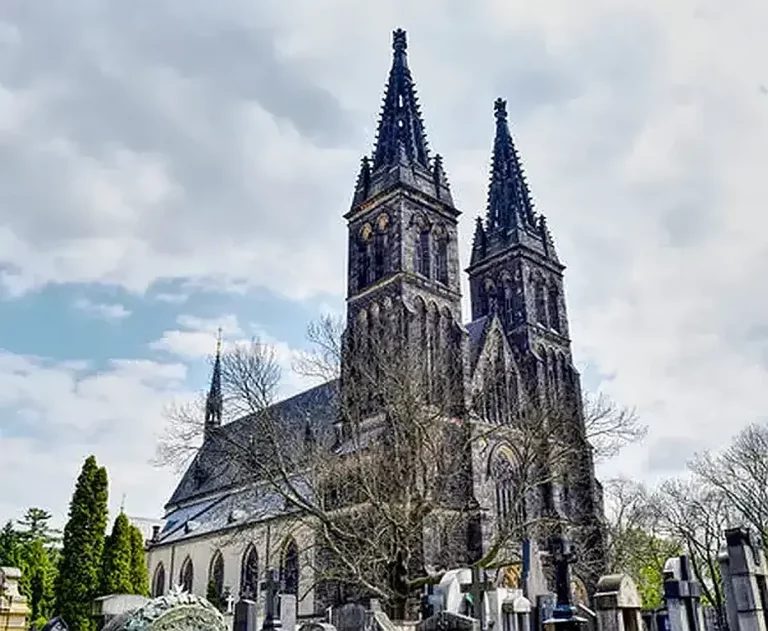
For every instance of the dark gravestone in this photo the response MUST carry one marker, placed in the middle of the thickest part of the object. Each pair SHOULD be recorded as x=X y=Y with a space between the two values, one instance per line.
x=245 y=616
x=271 y=588
x=351 y=617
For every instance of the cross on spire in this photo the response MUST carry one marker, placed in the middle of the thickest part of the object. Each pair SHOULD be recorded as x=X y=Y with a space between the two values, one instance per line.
x=401 y=136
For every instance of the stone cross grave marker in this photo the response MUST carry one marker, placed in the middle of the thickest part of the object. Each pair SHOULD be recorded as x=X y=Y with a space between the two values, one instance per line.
x=682 y=596
x=563 y=616
x=477 y=590
x=271 y=588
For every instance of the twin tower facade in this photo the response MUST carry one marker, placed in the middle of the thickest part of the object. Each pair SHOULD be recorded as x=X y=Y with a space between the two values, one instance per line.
x=404 y=267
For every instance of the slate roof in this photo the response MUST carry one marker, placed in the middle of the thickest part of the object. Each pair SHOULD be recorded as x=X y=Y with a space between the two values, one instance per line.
x=212 y=471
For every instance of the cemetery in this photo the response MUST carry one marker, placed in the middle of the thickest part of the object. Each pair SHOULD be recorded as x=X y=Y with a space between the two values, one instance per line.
x=464 y=599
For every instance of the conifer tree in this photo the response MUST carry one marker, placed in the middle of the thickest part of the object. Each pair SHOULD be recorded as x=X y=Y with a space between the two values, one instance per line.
x=10 y=545
x=117 y=563
x=139 y=573
x=83 y=545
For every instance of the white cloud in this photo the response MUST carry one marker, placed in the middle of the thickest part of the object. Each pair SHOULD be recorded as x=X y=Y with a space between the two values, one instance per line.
x=57 y=413
x=104 y=311
x=642 y=125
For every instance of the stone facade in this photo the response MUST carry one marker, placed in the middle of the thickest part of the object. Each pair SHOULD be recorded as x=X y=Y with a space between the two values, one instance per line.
x=404 y=273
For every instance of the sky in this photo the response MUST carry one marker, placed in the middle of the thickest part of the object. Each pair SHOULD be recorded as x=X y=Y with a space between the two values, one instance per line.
x=171 y=166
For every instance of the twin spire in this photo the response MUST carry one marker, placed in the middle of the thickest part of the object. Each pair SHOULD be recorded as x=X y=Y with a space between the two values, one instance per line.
x=400 y=136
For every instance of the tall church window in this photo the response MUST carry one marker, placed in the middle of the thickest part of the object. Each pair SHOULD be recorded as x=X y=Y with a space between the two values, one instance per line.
x=187 y=575
x=249 y=575
x=289 y=569
x=510 y=501
x=380 y=258
x=215 y=590
x=158 y=581
x=363 y=265
x=423 y=254
x=554 y=308
x=441 y=259
x=541 y=307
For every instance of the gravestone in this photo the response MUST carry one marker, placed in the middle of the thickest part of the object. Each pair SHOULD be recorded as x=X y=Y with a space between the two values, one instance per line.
x=743 y=568
x=477 y=590
x=514 y=613
x=13 y=605
x=271 y=589
x=351 y=617
x=618 y=604
x=564 y=616
x=449 y=621
x=245 y=616
x=317 y=626
x=176 y=611
x=545 y=608
x=288 y=611
x=682 y=596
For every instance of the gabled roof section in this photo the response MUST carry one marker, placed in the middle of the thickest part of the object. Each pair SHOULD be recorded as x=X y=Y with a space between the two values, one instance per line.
x=401 y=136
x=213 y=470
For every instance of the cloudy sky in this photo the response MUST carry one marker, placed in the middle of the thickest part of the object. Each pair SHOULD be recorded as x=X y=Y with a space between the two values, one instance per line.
x=169 y=166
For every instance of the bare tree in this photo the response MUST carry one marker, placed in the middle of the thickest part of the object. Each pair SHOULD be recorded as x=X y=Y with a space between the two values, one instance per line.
x=639 y=544
x=696 y=514
x=384 y=488
x=740 y=474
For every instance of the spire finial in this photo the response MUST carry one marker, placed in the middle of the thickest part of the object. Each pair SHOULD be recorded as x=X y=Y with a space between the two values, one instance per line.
x=218 y=342
x=122 y=504
x=399 y=41
x=500 y=109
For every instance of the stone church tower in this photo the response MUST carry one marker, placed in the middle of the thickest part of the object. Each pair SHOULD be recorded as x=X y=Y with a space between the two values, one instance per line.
x=403 y=260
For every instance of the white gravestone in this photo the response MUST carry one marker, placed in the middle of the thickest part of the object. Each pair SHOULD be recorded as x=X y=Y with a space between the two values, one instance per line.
x=618 y=604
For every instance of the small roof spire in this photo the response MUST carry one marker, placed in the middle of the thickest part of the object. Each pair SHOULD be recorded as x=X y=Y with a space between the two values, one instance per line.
x=399 y=40
x=214 y=402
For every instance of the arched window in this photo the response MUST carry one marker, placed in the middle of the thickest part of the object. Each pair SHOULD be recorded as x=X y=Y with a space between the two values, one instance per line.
x=554 y=308
x=380 y=255
x=423 y=254
x=187 y=574
x=510 y=500
x=289 y=569
x=541 y=307
x=215 y=591
x=158 y=581
x=441 y=259
x=363 y=265
x=249 y=574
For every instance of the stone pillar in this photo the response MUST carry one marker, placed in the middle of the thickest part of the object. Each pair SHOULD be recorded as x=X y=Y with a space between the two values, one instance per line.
x=744 y=571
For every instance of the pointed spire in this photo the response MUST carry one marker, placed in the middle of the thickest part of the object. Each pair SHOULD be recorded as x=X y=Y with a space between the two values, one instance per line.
x=214 y=403
x=509 y=200
x=400 y=137
x=478 y=242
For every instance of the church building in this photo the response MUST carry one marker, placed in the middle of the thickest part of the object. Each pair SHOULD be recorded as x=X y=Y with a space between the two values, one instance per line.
x=220 y=533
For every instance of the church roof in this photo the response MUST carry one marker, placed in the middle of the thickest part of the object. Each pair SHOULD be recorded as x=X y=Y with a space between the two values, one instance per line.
x=212 y=471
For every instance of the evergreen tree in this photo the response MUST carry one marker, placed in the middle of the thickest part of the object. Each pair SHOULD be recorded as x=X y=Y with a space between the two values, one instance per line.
x=80 y=563
x=35 y=526
x=10 y=545
x=39 y=573
x=139 y=573
x=117 y=575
